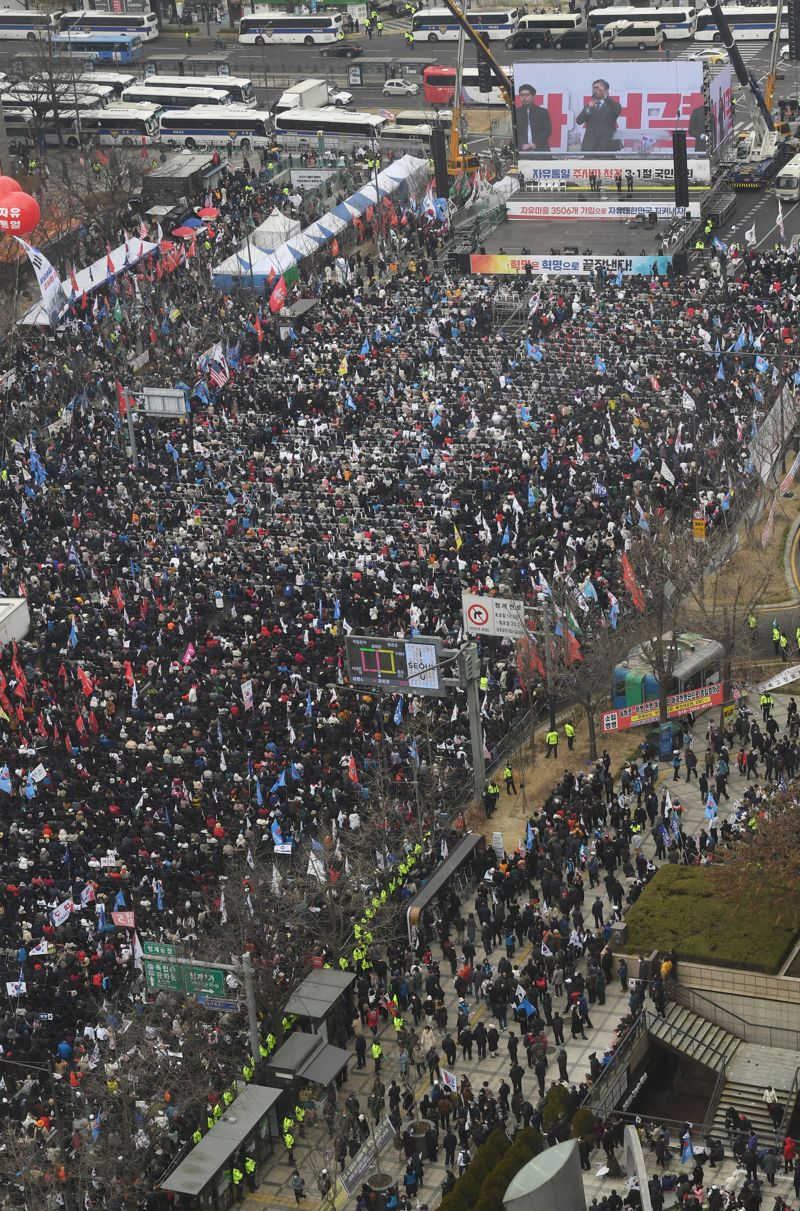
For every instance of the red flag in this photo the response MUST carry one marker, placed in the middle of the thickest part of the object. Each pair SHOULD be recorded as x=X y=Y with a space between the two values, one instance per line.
x=192 y=250
x=73 y=281
x=56 y=734
x=574 y=652
x=334 y=247
x=84 y=301
x=67 y=743
x=40 y=727
x=110 y=263
x=94 y=726
x=278 y=296
x=122 y=403
x=352 y=772
x=20 y=714
x=101 y=157
x=631 y=583
x=80 y=725
x=128 y=670
x=87 y=685
x=257 y=326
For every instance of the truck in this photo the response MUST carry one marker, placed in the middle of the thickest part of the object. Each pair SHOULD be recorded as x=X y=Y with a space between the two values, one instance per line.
x=176 y=181
x=306 y=94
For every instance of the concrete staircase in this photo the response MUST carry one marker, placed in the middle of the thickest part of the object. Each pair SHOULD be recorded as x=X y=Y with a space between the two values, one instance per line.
x=747 y=1100
x=684 y=1031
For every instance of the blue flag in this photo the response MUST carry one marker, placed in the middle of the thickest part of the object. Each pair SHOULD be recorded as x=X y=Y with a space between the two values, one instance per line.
x=279 y=782
x=365 y=347
x=544 y=460
x=599 y=364
x=5 y=780
x=73 y=635
x=398 y=712
x=761 y=364
x=259 y=794
x=337 y=609
x=636 y=452
x=308 y=704
x=506 y=539
x=30 y=788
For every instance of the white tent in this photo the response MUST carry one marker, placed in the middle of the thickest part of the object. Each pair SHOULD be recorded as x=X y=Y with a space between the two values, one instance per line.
x=274 y=231
x=95 y=276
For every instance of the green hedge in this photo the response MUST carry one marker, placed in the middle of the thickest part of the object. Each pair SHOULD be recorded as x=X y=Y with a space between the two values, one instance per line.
x=491 y=1170
x=679 y=909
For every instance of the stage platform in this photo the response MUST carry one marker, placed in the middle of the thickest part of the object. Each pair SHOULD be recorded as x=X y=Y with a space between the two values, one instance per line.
x=574 y=238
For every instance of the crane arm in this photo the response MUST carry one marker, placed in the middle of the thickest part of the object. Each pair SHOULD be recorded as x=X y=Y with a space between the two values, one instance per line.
x=759 y=112
x=482 y=46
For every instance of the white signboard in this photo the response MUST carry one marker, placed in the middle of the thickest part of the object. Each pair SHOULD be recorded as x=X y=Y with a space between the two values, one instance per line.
x=785 y=678
x=658 y=172
x=162 y=401
x=517 y=208
x=502 y=616
x=310 y=178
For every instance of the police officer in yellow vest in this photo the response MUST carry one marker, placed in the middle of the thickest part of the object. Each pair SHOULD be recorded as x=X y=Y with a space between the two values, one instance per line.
x=783 y=643
x=250 y=1173
x=752 y=625
x=551 y=743
x=776 y=638
x=197 y=1135
x=508 y=774
x=765 y=702
x=237 y=1177
x=288 y=1140
x=300 y=1114
x=569 y=732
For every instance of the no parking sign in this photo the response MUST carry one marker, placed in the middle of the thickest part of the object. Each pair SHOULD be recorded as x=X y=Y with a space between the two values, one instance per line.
x=501 y=616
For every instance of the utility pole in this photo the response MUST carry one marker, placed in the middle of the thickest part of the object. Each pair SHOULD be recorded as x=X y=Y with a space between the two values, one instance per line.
x=469 y=675
x=250 y=1002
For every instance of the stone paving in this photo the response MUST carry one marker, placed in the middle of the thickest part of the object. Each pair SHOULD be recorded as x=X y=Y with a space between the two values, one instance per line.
x=315 y=1150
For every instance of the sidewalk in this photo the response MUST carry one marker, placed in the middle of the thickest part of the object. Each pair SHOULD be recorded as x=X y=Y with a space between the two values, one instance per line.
x=316 y=1151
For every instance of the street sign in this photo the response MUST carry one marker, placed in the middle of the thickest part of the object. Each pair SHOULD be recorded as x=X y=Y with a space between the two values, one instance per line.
x=203 y=979
x=699 y=526
x=162 y=401
x=400 y=666
x=220 y=1004
x=159 y=950
x=162 y=976
x=501 y=616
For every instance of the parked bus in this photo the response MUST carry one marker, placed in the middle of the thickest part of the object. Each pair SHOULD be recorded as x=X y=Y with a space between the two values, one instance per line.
x=122 y=125
x=286 y=27
x=238 y=125
x=438 y=86
x=338 y=127
x=409 y=137
x=143 y=24
x=174 y=98
x=552 y=25
x=677 y=22
x=20 y=24
x=423 y=117
x=40 y=87
x=756 y=24
x=40 y=100
x=116 y=80
x=239 y=88
x=100 y=48
x=439 y=24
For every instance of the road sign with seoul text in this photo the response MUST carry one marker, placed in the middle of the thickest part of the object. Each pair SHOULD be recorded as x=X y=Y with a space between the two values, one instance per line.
x=500 y=616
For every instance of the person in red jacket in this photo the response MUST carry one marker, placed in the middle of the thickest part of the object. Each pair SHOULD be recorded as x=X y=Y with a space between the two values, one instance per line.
x=789 y=1153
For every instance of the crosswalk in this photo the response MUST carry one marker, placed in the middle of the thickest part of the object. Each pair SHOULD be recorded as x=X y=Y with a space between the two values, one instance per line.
x=749 y=51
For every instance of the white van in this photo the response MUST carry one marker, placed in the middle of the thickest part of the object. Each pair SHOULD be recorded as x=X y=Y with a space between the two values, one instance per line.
x=643 y=35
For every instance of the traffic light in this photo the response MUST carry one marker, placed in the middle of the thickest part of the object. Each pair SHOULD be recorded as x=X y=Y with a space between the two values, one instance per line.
x=794 y=30
x=485 y=74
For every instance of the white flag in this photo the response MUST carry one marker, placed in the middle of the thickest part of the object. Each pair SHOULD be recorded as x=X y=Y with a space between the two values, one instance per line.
x=223 y=912
x=750 y=234
x=54 y=299
x=546 y=951
x=779 y=220
x=134 y=697
x=247 y=694
x=316 y=868
x=666 y=473
x=40 y=948
x=276 y=880
x=250 y=861
x=138 y=953
x=61 y=913
x=687 y=402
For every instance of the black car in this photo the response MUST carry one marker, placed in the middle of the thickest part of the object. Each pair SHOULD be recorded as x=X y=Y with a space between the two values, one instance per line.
x=343 y=50
x=542 y=39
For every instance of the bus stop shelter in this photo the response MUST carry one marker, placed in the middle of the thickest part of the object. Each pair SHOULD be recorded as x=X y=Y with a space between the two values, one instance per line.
x=306 y=1058
x=317 y=996
x=202 y=1180
x=461 y=853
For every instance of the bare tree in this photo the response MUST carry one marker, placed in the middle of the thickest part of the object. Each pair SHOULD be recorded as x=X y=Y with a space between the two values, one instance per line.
x=98 y=188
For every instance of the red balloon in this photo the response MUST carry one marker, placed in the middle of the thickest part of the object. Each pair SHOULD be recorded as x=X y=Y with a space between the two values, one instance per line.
x=19 y=213
x=9 y=185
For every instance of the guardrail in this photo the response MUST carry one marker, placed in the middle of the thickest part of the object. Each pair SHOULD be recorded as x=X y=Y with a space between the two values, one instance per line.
x=743 y=1028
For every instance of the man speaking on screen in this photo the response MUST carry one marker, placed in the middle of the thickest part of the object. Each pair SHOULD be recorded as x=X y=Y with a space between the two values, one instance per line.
x=599 y=116
x=533 y=121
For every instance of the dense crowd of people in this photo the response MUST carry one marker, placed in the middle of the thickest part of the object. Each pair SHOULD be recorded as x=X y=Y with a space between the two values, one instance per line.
x=180 y=704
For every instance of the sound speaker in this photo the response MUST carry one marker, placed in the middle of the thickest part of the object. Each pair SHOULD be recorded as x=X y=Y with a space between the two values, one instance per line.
x=680 y=168
x=439 y=157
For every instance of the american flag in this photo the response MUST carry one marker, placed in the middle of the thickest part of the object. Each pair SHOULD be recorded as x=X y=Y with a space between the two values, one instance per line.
x=142 y=230
x=218 y=373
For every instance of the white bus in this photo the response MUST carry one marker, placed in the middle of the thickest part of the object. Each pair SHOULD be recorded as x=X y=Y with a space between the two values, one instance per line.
x=239 y=88
x=286 y=27
x=338 y=128
x=787 y=182
x=39 y=100
x=553 y=23
x=143 y=24
x=20 y=25
x=117 y=80
x=439 y=24
x=121 y=125
x=409 y=137
x=677 y=22
x=756 y=24
x=174 y=98
x=423 y=117
x=209 y=125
